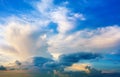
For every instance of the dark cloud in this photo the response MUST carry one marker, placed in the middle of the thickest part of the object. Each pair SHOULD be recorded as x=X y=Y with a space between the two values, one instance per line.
x=2 y=68
x=45 y=64
x=69 y=59
x=94 y=71
x=50 y=67
x=18 y=63
x=40 y=61
x=64 y=61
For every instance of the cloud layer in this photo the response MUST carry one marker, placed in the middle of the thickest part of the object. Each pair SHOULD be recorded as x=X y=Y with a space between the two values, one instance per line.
x=101 y=40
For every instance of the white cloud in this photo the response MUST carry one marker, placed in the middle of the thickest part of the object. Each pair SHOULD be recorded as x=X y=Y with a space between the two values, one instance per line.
x=4 y=59
x=79 y=16
x=58 y=14
x=44 y=5
x=60 y=17
x=101 y=40
x=23 y=40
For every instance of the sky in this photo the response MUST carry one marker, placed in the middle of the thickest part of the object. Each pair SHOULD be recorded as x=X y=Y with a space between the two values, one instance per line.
x=81 y=35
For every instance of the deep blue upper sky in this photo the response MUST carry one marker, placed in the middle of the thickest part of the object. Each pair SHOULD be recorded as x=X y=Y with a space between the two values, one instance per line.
x=98 y=13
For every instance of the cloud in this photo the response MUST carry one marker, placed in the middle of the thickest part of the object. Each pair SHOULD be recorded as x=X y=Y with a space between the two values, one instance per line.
x=61 y=15
x=100 y=40
x=84 y=70
x=45 y=65
x=40 y=61
x=63 y=62
x=44 y=5
x=5 y=59
x=2 y=68
x=79 y=16
x=69 y=59
x=23 y=38
x=7 y=49
x=28 y=35
x=78 y=67
x=18 y=63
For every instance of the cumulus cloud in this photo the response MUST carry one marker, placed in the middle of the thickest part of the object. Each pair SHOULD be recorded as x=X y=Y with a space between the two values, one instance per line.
x=28 y=35
x=58 y=68
x=24 y=40
x=78 y=67
x=64 y=62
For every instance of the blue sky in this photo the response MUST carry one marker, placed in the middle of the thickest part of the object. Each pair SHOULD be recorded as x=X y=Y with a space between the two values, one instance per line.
x=98 y=13
x=55 y=28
